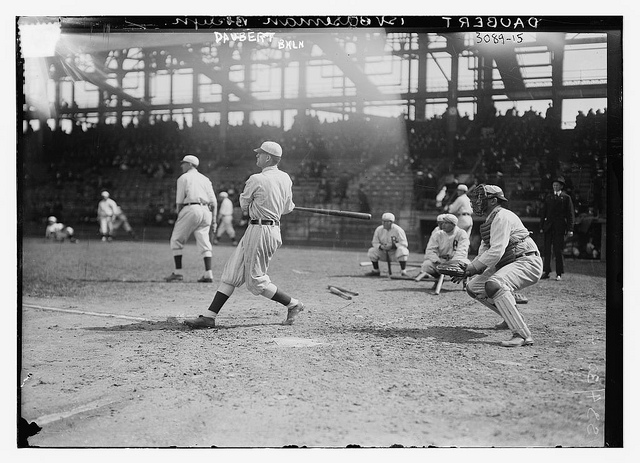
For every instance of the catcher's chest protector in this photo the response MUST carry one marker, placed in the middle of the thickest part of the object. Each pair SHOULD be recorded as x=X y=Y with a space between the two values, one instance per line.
x=509 y=255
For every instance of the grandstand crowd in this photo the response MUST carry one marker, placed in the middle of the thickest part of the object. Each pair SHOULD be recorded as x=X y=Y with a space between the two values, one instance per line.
x=338 y=163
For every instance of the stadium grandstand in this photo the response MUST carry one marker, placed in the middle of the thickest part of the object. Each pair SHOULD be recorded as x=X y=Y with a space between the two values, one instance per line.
x=369 y=119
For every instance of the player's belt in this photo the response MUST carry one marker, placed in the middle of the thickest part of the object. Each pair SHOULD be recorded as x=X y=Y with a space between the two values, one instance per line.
x=194 y=204
x=465 y=213
x=264 y=222
x=528 y=253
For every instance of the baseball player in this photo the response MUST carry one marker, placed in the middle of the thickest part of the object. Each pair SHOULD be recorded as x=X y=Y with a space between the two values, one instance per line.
x=107 y=209
x=461 y=208
x=266 y=197
x=389 y=242
x=196 y=204
x=225 y=219
x=120 y=220
x=508 y=259
x=448 y=243
x=58 y=231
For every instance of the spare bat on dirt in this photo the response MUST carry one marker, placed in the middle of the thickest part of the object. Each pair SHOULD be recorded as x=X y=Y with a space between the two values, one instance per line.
x=337 y=292
x=346 y=291
x=409 y=264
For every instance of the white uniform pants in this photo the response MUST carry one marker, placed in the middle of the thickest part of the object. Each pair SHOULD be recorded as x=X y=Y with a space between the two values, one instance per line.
x=226 y=225
x=400 y=254
x=106 y=225
x=524 y=272
x=465 y=222
x=194 y=219
x=250 y=259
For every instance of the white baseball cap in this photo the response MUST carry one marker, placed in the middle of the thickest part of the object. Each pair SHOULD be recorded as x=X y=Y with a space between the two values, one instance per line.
x=190 y=158
x=271 y=148
x=389 y=216
x=52 y=219
x=450 y=218
x=224 y=194
x=463 y=187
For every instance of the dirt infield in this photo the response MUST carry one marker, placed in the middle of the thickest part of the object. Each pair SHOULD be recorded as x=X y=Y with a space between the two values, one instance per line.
x=106 y=361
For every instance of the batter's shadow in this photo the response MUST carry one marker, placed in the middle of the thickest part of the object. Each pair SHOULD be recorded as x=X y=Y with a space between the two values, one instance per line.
x=453 y=334
x=172 y=325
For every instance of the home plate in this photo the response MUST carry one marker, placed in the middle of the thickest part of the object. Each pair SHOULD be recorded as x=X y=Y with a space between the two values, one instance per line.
x=295 y=342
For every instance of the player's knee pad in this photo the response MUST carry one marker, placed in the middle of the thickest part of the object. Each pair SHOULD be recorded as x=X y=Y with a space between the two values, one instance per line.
x=492 y=287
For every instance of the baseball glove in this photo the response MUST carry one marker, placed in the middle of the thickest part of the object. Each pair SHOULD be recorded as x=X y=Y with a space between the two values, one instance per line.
x=452 y=269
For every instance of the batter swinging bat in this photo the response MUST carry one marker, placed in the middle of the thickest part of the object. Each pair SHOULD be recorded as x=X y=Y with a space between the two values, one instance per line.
x=349 y=214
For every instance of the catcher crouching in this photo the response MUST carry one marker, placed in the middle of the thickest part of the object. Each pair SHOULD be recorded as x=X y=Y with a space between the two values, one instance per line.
x=508 y=259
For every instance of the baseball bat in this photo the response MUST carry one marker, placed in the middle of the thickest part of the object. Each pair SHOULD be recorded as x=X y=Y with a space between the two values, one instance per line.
x=337 y=292
x=349 y=214
x=388 y=262
x=409 y=264
x=439 y=284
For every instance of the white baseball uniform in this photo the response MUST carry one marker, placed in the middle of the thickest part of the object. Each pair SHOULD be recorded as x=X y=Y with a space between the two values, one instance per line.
x=512 y=261
x=382 y=236
x=107 y=210
x=194 y=195
x=443 y=247
x=225 y=214
x=461 y=208
x=266 y=197
x=58 y=231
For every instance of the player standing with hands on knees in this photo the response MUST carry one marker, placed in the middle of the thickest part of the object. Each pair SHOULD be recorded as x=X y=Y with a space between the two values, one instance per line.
x=508 y=259
x=197 y=205
x=389 y=242
x=266 y=197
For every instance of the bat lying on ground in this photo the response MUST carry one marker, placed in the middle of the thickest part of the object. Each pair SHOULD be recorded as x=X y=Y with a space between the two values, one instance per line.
x=348 y=214
x=409 y=264
x=337 y=292
x=346 y=291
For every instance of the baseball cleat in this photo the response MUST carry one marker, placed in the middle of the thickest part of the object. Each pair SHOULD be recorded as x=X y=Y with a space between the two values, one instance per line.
x=501 y=326
x=205 y=280
x=545 y=276
x=174 y=277
x=201 y=322
x=293 y=312
x=372 y=273
x=517 y=341
x=558 y=278
x=404 y=273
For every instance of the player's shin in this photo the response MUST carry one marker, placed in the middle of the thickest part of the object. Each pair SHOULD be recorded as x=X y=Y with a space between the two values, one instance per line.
x=506 y=304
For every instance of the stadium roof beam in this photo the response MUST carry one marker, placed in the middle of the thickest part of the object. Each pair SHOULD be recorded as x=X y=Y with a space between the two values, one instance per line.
x=508 y=66
x=337 y=55
x=216 y=76
x=99 y=81
x=541 y=93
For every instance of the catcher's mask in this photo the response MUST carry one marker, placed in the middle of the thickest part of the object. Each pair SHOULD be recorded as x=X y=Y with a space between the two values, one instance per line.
x=480 y=196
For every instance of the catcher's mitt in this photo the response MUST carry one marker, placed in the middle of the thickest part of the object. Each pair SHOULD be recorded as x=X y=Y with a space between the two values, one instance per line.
x=452 y=269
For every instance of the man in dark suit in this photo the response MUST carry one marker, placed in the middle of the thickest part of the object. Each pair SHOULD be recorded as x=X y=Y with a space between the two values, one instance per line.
x=556 y=222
